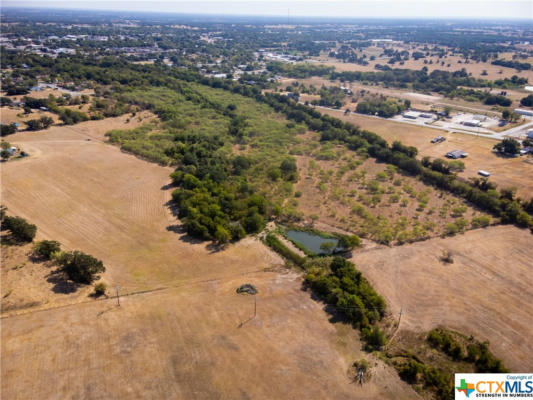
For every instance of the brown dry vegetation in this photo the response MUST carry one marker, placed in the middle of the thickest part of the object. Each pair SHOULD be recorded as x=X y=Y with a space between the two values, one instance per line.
x=189 y=342
x=505 y=172
x=181 y=339
x=486 y=292
x=341 y=192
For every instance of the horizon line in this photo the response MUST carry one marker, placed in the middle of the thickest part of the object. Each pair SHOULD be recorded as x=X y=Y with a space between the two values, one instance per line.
x=262 y=16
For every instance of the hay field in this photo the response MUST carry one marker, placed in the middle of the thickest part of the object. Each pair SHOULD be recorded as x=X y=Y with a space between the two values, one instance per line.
x=189 y=343
x=180 y=339
x=505 y=172
x=92 y=197
x=487 y=291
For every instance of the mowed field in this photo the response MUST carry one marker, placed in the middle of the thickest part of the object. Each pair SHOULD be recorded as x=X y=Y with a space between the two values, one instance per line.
x=487 y=291
x=182 y=332
x=504 y=171
x=192 y=342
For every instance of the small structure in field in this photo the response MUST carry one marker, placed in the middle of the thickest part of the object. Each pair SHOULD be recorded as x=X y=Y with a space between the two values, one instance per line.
x=247 y=288
x=455 y=154
x=483 y=173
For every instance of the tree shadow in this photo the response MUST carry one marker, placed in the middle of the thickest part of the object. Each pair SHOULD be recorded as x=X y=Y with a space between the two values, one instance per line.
x=173 y=208
x=335 y=315
x=61 y=283
x=504 y=155
x=168 y=186
x=213 y=247
x=178 y=228
x=189 y=239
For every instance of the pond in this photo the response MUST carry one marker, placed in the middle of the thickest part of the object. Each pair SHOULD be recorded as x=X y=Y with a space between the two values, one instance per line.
x=312 y=241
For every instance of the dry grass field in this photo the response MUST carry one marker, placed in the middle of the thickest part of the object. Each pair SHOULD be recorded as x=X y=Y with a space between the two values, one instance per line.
x=192 y=342
x=505 y=172
x=487 y=291
x=373 y=202
x=9 y=115
x=184 y=338
x=451 y=63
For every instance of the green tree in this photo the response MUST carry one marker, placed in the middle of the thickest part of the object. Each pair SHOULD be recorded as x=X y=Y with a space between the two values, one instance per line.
x=81 y=267
x=222 y=235
x=20 y=228
x=328 y=247
x=5 y=155
x=45 y=248
x=527 y=101
x=349 y=241
x=508 y=146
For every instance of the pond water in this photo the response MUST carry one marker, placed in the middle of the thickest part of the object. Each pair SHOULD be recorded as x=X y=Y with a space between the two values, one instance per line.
x=310 y=240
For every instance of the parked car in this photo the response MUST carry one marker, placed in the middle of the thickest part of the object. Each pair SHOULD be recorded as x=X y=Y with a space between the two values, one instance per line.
x=438 y=139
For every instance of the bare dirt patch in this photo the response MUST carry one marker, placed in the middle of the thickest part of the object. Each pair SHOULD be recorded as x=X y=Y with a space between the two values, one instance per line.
x=487 y=291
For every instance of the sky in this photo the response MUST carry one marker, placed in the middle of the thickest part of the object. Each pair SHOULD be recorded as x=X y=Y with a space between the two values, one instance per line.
x=496 y=9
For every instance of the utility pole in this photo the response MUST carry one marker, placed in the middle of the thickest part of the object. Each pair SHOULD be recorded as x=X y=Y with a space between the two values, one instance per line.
x=399 y=319
x=255 y=305
x=118 y=298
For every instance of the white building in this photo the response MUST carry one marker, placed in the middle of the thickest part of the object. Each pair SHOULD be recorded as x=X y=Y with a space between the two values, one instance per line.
x=521 y=111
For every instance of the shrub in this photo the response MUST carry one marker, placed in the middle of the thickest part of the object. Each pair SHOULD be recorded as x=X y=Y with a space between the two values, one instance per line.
x=280 y=248
x=45 y=248
x=446 y=257
x=100 y=289
x=20 y=228
x=374 y=337
x=480 y=222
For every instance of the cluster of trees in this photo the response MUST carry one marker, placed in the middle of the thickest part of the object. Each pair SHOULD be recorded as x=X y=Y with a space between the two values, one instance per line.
x=510 y=210
x=71 y=117
x=443 y=166
x=527 y=101
x=343 y=286
x=476 y=353
x=414 y=371
x=443 y=82
x=508 y=146
x=38 y=124
x=512 y=64
x=331 y=96
x=21 y=229
x=299 y=70
x=67 y=115
x=384 y=107
x=7 y=129
x=347 y=54
x=78 y=266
